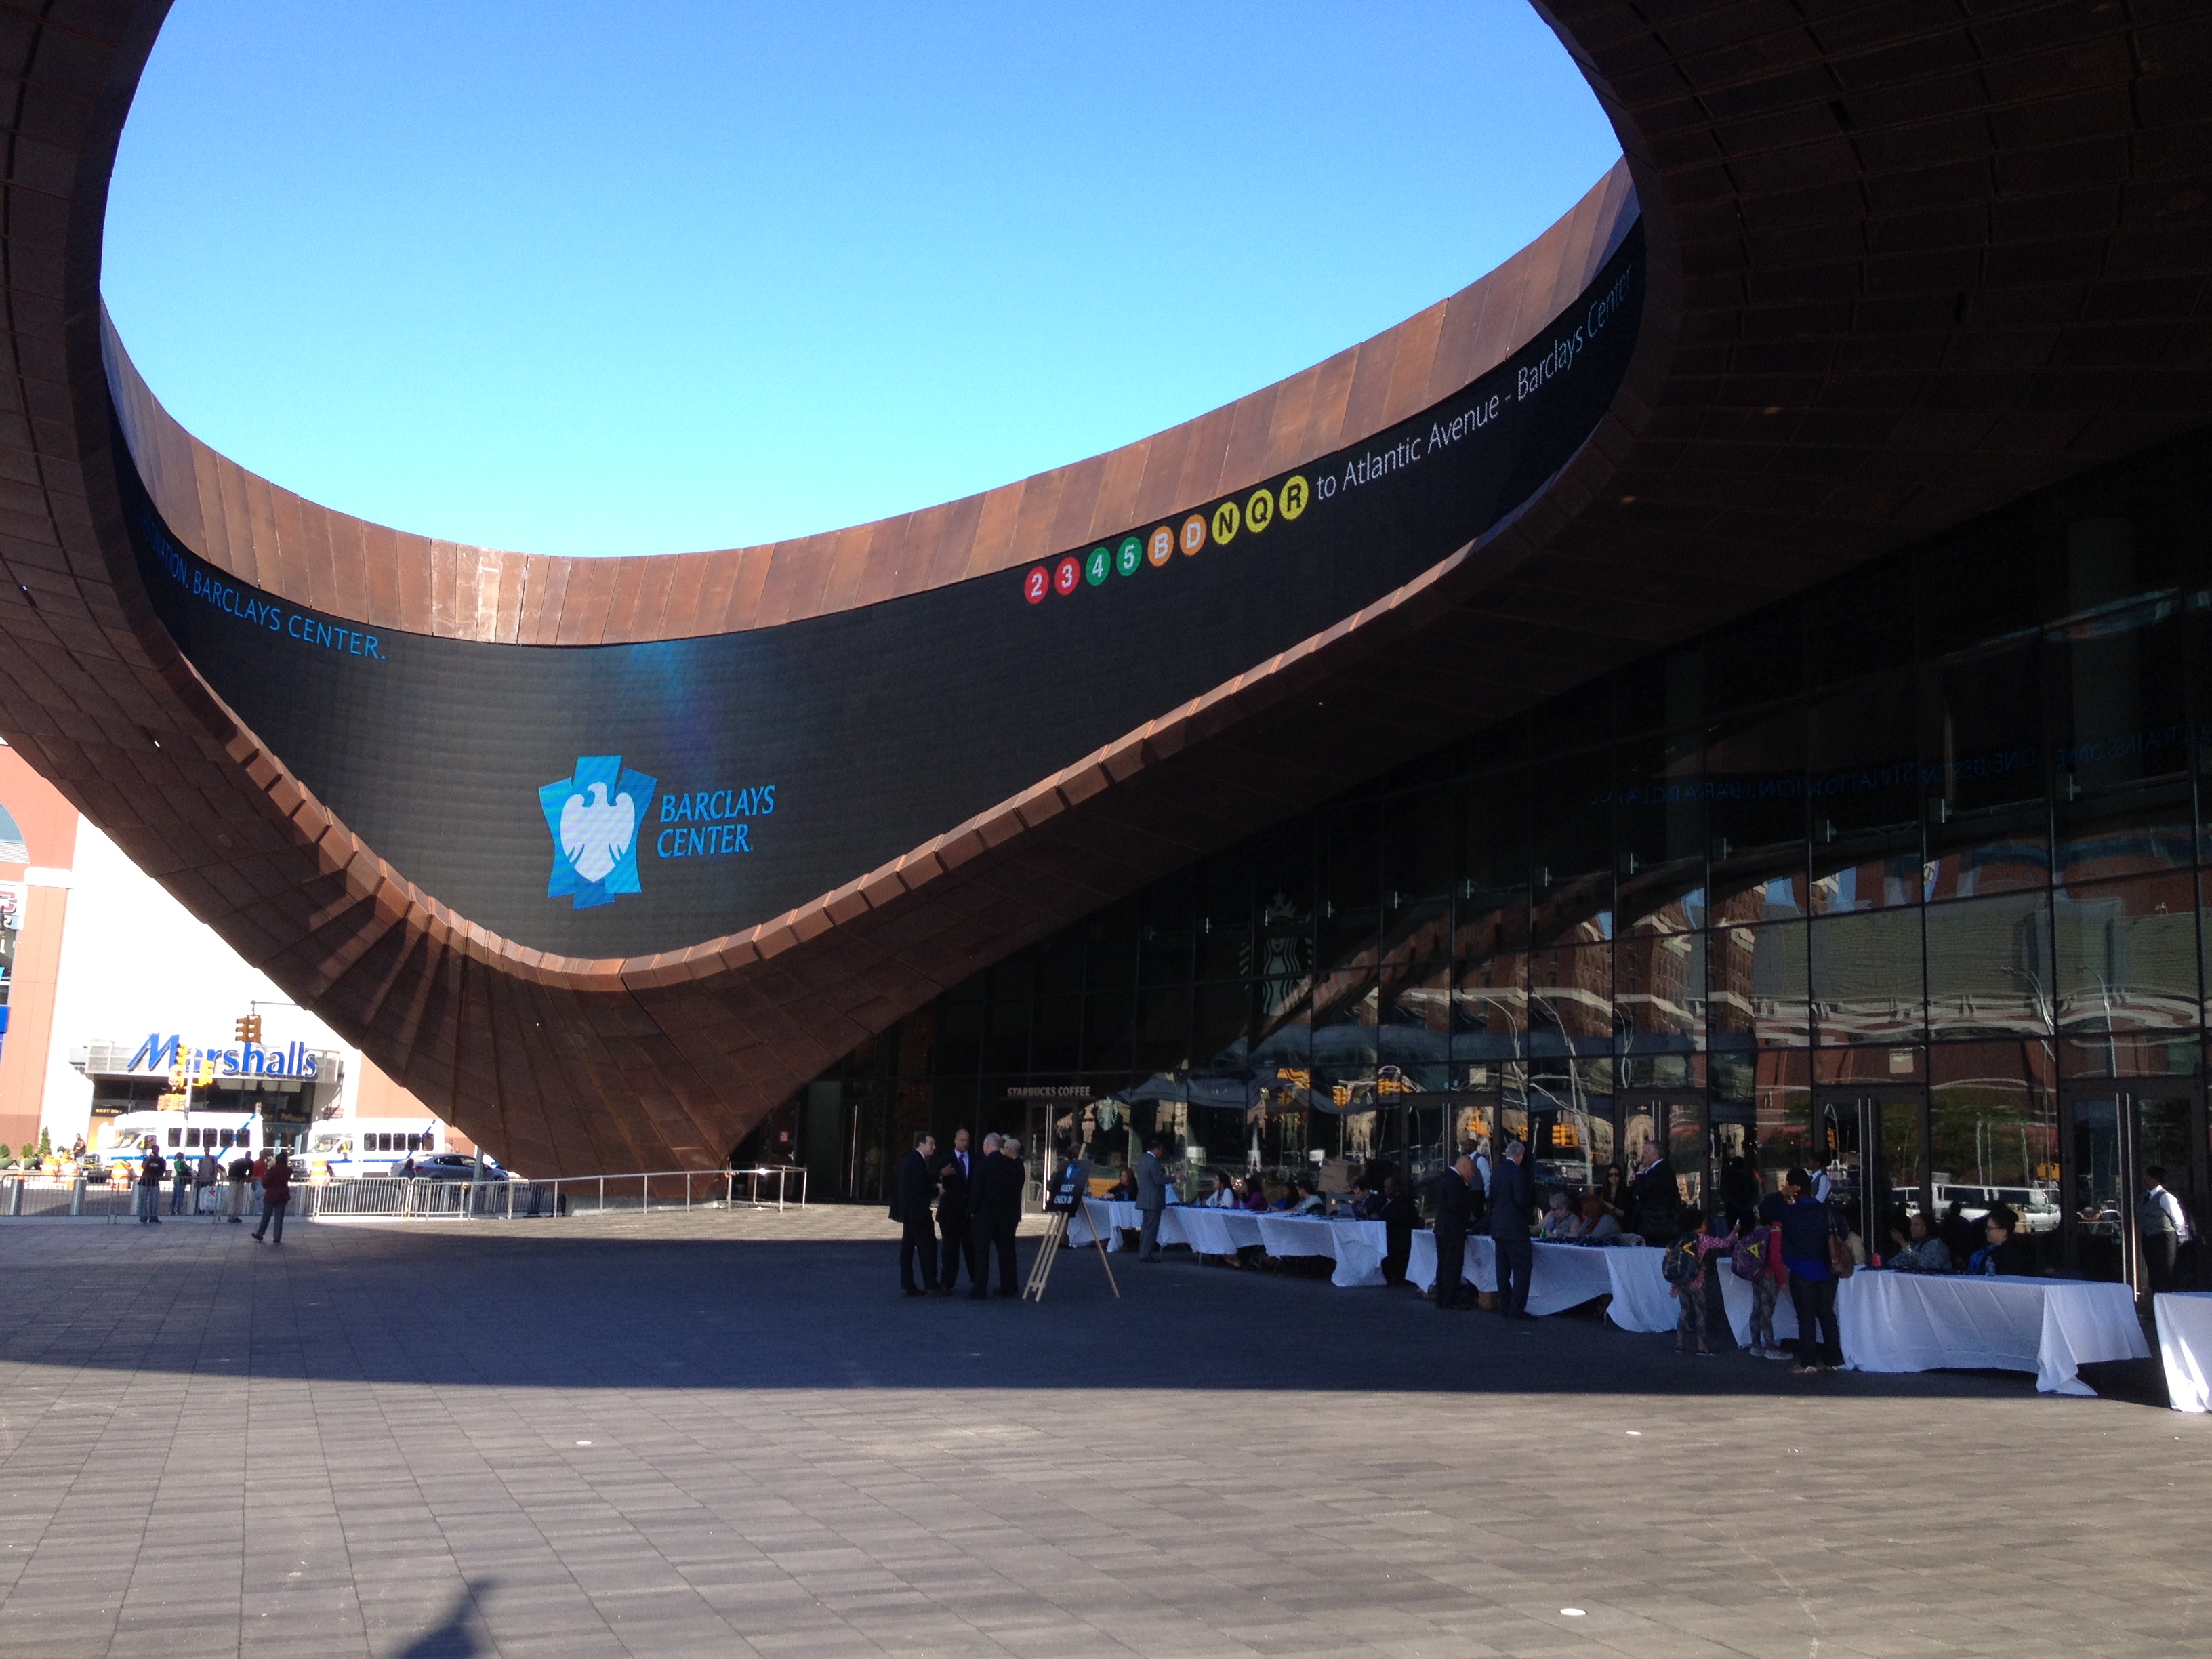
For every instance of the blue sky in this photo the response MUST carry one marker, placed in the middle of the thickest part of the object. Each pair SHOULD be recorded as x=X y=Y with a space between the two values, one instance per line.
x=590 y=278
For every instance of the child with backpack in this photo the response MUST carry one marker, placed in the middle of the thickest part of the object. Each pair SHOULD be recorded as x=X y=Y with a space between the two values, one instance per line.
x=1757 y=1257
x=1684 y=1267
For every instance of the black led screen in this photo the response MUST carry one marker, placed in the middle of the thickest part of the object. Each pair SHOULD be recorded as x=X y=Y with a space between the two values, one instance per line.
x=622 y=799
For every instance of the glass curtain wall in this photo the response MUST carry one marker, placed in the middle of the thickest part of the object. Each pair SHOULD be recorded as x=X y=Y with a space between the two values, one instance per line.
x=1924 y=853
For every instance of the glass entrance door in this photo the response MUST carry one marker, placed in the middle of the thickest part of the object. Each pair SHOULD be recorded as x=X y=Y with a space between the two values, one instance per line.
x=1866 y=1142
x=2112 y=1136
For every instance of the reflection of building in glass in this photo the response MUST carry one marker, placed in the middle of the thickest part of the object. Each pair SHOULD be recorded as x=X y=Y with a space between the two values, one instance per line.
x=1899 y=912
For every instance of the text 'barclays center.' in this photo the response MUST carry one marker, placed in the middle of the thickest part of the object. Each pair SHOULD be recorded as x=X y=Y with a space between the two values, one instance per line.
x=1737 y=674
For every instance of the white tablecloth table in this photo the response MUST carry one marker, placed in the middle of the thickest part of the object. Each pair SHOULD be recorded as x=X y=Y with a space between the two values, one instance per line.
x=1105 y=1218
x=1894 y=1322
x=1211 y=1231
x=1356 y=1246
x=1564 y=1276
x=2185 y=1343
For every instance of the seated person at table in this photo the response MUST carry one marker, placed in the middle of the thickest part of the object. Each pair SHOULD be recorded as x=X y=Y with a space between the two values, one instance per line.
x=1356 y=1202
x=1849 y=1234
x=1918 y=1250
x=2007 y=1252
x=1126 y=1187
x=1960 y=1235
x=1305 y=1199
x=1599 y=1225
x=1255 y=1195
x=1560 y=1223
x=1224 y=1194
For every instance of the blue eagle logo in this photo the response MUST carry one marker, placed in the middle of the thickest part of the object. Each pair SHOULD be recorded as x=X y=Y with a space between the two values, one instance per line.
x=594 y=815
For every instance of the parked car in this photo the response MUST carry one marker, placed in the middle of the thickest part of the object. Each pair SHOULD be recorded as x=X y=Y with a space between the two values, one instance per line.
x=454 y=1166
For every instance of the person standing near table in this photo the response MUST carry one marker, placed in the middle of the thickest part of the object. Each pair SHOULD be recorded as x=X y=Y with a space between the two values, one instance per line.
x=2162 y=1228
x=911 y=1194
x=1807 y=1225
x=1400 y=1216
x=151 y=1174
x=1452 y=1193
x=275 y=1193
x=995 y=1211
x=1512 y=1197
x=1655 y=1196
x=1152 y=1199
x=956 y=1179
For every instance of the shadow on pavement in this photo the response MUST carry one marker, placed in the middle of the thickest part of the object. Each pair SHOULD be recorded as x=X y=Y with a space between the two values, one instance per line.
x=565 y=1311
x=459 y=1636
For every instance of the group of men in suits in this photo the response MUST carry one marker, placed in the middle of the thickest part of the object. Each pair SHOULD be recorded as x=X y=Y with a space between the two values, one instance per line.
x=978 y=1203
x=1509 y=1202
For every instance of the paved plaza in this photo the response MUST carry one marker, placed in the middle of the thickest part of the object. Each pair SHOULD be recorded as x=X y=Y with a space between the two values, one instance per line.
x=728 y=1434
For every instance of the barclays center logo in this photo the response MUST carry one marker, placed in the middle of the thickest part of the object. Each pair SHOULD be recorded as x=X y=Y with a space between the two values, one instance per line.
x=595 y=815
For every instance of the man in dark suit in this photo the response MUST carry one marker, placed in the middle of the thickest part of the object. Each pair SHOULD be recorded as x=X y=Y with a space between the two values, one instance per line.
x=995 y=1211
x=911 y=1200
x=955 y=1181
x=1512 y=1200
x=1657 y=1198
x=1152 y=1197
x=1400 y=1216
x=1453 y=1199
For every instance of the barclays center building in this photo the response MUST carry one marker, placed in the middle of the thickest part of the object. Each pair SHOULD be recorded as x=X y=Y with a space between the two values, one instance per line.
x=1735 y=676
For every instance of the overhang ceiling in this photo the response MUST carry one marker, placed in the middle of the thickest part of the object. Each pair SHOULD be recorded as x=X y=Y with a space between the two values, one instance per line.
x=1904 y=265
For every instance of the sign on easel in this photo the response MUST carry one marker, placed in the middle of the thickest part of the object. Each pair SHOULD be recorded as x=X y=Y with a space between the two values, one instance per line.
x=1070 y=1186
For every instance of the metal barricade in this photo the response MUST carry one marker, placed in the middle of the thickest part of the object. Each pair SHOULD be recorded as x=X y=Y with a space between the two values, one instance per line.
x=512 y=1198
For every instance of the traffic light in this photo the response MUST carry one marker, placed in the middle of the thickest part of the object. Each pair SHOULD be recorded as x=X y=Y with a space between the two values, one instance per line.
x=1341 y=1094
x=248 y=1029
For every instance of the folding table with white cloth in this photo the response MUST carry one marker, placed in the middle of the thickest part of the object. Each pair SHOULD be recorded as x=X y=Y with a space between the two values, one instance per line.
x=1105 y=1218
x=1564 y=1276
x=1356 y=1246
x=2185 y=1343
x=1894 y=1322
x=1211 y=1231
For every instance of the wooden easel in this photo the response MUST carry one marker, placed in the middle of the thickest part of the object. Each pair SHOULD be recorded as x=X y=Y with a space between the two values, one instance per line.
x=1055 y=1235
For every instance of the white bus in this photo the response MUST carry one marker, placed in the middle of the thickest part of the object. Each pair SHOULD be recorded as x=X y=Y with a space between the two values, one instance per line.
x=347 y=1147
x=226 y=1134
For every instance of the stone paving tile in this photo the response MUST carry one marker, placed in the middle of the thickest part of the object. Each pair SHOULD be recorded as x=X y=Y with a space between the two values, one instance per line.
x=367 y=1446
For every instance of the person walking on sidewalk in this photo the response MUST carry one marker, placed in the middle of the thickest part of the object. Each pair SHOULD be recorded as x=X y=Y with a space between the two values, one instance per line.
x=1151 y=1199
x=276 y=1194
x=151 y=1174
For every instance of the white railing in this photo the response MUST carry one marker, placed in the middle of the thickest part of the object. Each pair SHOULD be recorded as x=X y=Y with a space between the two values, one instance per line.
x=507 y=1199
x=516 y=1199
